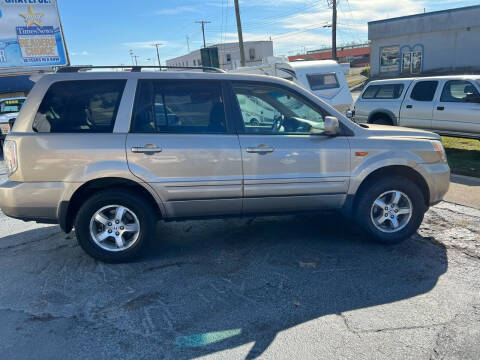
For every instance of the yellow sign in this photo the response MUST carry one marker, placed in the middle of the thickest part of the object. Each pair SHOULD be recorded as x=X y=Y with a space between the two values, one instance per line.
x=32 y=18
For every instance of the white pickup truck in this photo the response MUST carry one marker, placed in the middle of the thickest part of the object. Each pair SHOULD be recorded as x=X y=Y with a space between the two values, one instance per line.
x=448 y=105
x=9 y=109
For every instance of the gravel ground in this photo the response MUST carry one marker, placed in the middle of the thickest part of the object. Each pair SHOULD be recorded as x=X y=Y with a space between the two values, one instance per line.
x=294 y=287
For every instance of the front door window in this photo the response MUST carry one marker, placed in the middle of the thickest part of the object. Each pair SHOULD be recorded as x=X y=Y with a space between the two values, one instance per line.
x=274 y=110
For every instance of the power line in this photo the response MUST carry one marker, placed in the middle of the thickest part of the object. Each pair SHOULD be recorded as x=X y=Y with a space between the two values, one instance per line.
x=291 y=33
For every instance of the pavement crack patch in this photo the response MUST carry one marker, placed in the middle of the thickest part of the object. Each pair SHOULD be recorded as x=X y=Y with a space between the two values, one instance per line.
x=13 y=246
x=42 y=317
x=428 y=326
x=347 y=325
x=164 y=266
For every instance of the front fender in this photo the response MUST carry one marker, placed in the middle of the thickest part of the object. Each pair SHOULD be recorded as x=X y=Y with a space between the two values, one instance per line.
x=361 y=169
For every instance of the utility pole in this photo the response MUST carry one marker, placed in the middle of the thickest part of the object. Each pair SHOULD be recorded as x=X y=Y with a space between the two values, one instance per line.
x=240 y=34
x=203 y=30
x=131 y=55
x=158 y=54
x=136 y=61
x=333 y=4
x=188 y=43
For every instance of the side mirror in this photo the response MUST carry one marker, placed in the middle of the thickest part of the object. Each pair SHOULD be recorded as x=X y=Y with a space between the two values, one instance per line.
x=332 y=126
x=349 y=114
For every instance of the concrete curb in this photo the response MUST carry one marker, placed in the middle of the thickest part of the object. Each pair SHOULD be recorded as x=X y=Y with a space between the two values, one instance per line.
x=465 y=178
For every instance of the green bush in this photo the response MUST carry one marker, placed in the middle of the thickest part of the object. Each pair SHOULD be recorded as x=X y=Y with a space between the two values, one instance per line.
x=366 y=72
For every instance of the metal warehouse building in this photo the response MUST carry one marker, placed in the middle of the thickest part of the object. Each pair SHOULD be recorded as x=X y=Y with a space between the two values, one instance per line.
x=445 y=41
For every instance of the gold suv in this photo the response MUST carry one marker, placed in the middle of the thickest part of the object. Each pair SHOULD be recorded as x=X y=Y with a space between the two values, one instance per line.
x=110 y=153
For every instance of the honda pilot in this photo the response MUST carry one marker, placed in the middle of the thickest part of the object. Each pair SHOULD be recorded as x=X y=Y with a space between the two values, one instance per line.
x=110 y=153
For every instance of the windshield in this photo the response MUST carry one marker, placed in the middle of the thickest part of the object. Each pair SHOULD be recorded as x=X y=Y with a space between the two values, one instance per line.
x=11 y=106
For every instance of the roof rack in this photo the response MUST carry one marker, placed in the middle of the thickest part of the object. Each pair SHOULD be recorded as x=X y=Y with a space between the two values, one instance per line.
x=136 y=68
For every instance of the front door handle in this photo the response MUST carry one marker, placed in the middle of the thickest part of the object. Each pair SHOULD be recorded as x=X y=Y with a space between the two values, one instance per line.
x=260 y=149
x=441 y=108
x=409 y=106
x=147 y=149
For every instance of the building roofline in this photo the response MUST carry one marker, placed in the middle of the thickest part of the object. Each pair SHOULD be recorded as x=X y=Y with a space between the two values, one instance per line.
x=424 y=14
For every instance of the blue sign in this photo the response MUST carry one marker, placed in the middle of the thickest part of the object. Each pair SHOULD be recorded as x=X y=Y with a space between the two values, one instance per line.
x=31 y=34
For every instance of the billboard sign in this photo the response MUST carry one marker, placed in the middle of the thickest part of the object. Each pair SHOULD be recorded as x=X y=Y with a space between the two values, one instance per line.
x=31 y=34
x=390 y=59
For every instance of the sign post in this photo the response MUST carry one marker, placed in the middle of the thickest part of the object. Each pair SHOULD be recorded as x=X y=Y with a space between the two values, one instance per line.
x=31 y=35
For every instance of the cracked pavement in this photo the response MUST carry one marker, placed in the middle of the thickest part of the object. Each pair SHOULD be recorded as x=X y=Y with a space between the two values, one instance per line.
x=293 y=287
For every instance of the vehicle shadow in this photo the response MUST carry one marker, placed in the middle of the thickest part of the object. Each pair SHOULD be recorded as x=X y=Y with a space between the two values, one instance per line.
x=208 y=286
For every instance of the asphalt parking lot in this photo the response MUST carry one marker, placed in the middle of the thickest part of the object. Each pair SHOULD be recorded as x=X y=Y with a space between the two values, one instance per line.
x=294 y=287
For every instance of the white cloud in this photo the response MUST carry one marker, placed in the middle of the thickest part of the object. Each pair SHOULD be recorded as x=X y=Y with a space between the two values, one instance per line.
x=177 y=10
x=144 y=44
x=82 y=53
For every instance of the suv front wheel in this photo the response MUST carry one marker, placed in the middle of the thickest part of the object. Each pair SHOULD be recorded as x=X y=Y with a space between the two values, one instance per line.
x=391 y=210
x=115 y=225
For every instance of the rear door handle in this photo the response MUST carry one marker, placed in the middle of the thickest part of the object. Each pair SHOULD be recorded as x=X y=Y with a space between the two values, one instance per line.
x=441 y=108
x=409 y=106
x=260 y=149
x=147 y=149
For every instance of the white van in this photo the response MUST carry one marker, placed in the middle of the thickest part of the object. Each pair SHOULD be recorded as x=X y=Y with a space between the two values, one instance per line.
x=325 y=78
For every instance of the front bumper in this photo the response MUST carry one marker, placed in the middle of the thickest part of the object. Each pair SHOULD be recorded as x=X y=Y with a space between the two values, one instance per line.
x=437 y=177
x=31 y=201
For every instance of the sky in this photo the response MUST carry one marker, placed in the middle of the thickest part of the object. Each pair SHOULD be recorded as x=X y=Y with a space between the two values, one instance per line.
x=102 y=32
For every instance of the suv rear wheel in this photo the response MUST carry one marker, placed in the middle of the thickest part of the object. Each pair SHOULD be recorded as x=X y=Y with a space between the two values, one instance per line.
x=391 y=210
x=115 y=225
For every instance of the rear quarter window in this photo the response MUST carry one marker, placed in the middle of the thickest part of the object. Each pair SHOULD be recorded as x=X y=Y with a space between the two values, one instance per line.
x=387 y=91
x=323 y=81
x=83 y=106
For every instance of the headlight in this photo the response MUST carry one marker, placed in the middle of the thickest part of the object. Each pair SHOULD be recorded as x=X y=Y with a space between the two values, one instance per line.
x=439 y=149
x=5 y=128
x=10 y=155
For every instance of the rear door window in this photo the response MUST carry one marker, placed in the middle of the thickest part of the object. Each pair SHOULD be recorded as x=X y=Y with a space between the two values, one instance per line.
x=323 y=81
x=424 y=91
x=179 y=107
x=85 y=106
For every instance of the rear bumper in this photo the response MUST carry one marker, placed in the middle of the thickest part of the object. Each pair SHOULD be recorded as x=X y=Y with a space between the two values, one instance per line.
x=437 y=177
x=31 y=201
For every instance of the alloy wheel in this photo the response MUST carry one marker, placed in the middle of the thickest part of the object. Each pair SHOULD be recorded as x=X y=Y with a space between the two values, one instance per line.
x=391 y=211
x=114 y=228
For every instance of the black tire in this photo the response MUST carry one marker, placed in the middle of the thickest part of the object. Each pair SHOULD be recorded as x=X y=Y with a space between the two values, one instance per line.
x=142 y=209
x=382 y=120
x=254 y=122
x=369 y=195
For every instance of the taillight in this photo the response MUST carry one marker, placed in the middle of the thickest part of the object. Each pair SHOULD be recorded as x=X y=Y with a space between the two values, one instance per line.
x=10 y=154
